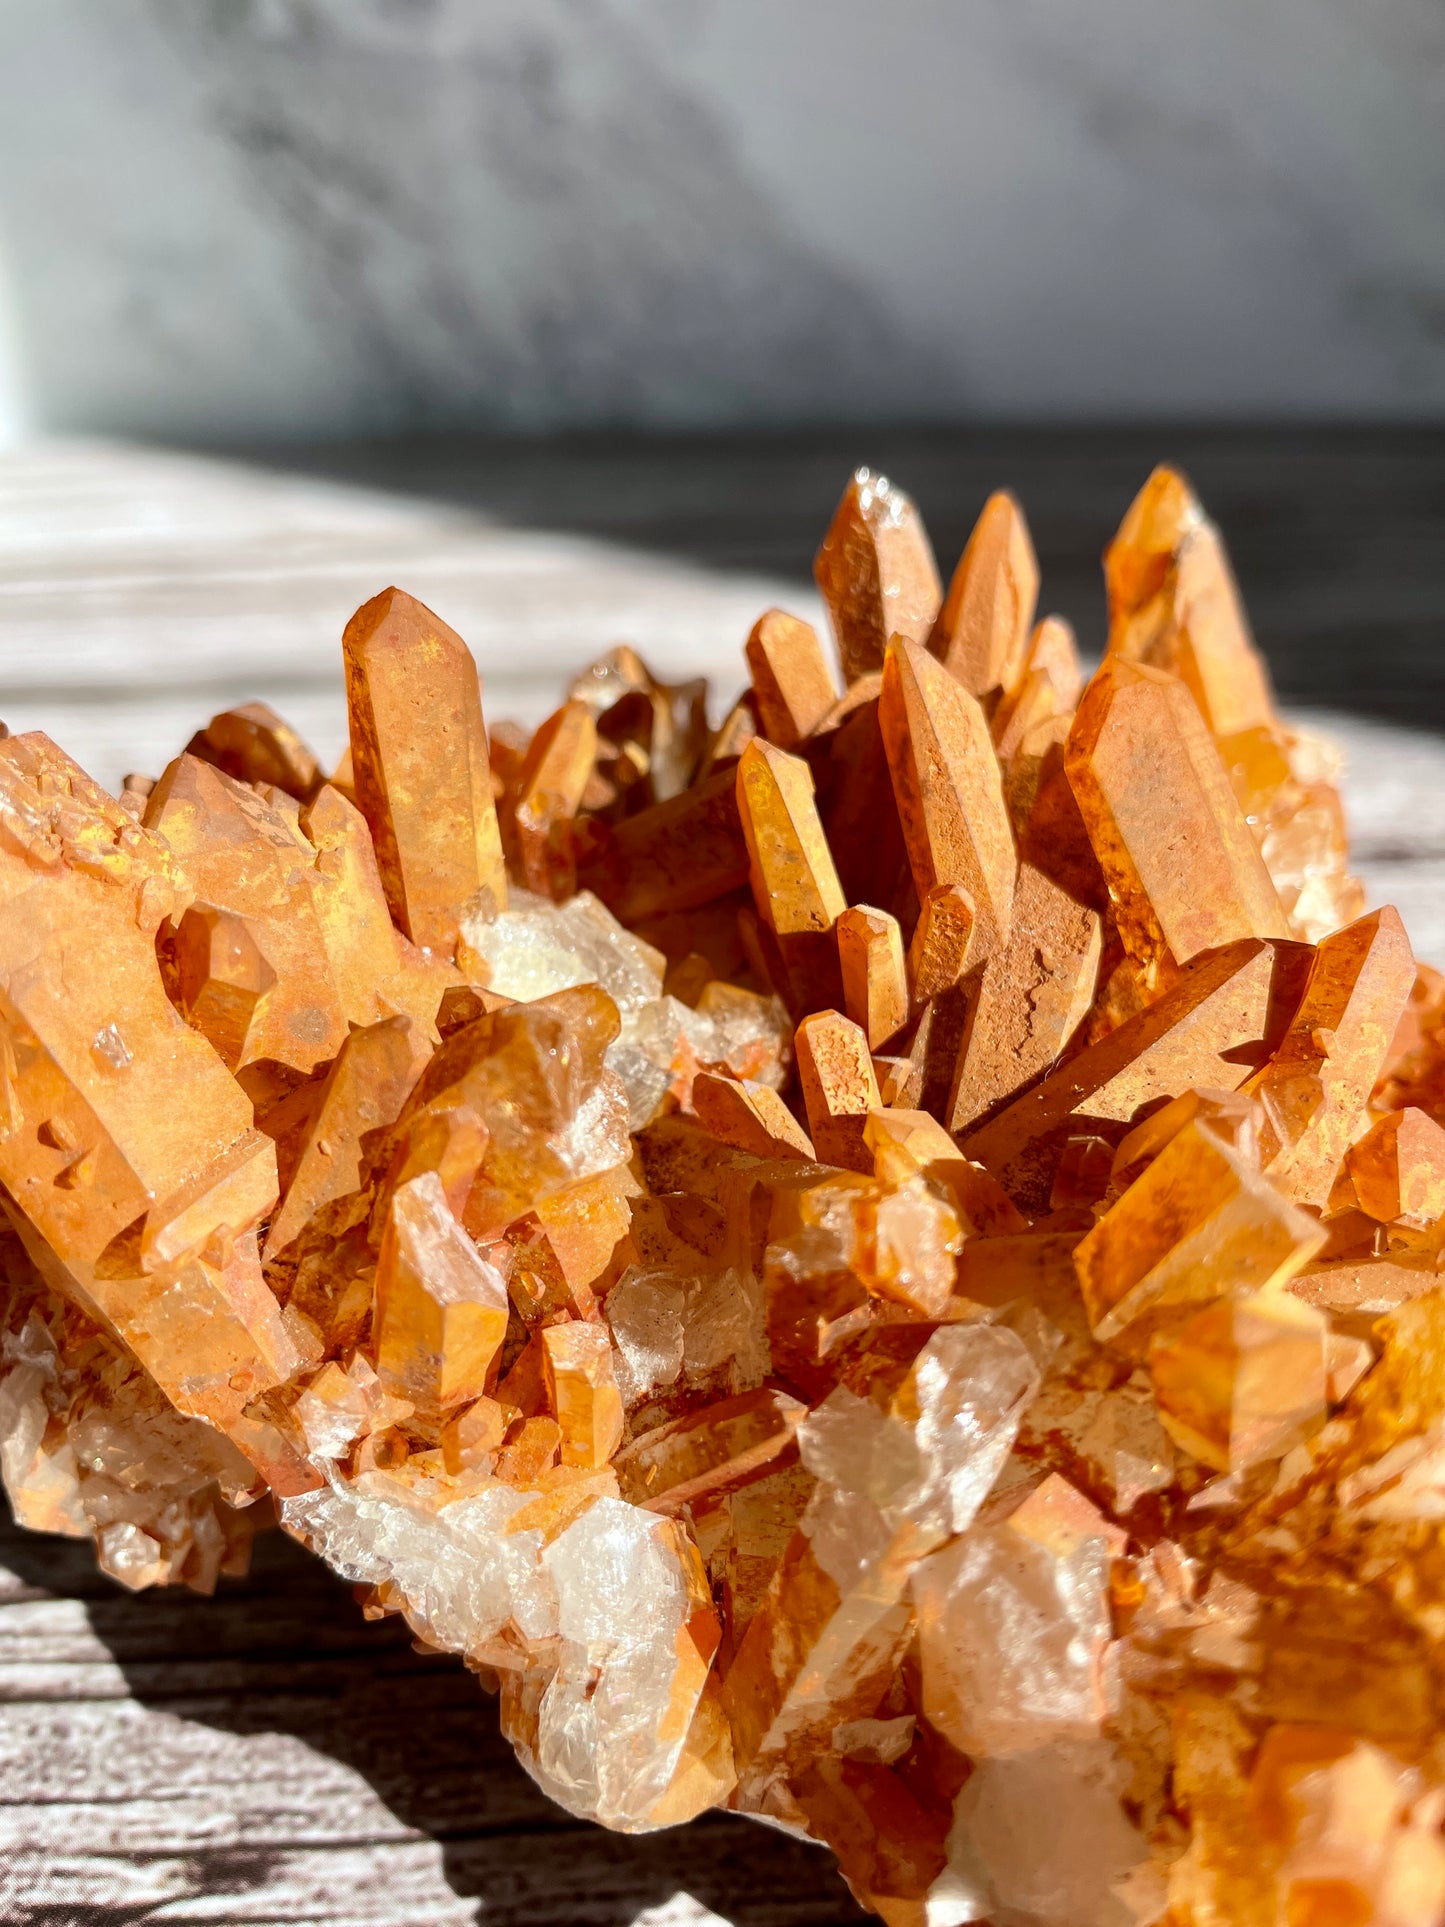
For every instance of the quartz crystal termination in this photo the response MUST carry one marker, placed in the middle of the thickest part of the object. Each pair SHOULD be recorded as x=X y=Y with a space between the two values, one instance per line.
x=876 y=1267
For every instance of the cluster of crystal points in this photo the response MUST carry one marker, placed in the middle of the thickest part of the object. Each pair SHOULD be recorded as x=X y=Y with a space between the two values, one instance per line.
x=876 y=1266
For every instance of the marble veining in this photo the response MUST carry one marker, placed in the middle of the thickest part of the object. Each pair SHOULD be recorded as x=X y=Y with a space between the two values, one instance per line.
x=269 y=216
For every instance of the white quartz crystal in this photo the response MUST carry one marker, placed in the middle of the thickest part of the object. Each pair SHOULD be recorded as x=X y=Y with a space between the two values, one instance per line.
x=1012 y=1639
x=601 y=1747
x=705 y=1330
x=887 y=1485
x=536 y=947
x=1039 y=1840
x=463 y=1573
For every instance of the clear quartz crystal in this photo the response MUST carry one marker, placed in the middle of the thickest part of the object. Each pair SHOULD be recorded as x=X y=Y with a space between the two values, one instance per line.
x=1014 y=1871
x=603 y=1746
x=1012 y=1640
x=536 y=947
x=669 y=1327
x=462 y=1572
x=885 y=1482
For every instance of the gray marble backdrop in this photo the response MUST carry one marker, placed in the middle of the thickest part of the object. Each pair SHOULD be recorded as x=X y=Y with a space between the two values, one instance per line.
x=232 y=217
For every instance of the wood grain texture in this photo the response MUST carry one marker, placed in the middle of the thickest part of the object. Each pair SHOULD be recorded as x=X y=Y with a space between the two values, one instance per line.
x=267 y=1756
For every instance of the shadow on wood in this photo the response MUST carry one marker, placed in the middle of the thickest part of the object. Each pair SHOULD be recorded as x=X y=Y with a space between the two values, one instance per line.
x=286 y=1653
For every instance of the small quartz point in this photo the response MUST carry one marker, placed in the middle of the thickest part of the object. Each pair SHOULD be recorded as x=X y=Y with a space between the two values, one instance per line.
x=876 y=573
x=370 y=1079
x=550 y=788
x=839 y=1089
x=950 y=797
x=792 y=683
x=1183 y=870
x=420 y=766
x=1315 y=1086
x=1397 y=1169
x=983 y=626
x=795 y=884
x=255 y=745
x=441 y=1309
x=883 y=1274
x=1173 y=604
x=875 y=984
x=750 y=1116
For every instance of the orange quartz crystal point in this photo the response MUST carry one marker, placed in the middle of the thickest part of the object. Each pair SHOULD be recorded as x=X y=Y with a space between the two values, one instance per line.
x=875 y=981
x=1183 y=870
x=1197 y=1224
x=369 y=1081
x=420 y=766
x=876 y=573
x=1173 y=604
x=118 y=1114
x=792 y=683
x=748 y=1115
x=223 y=979
x=1045 y=692
x=582 y=1391
x=1316 y=1084
x=376 y=971
x=550 y=788
x=983 y=625
x=254 y=745
x=908 y=1143
x=839 y=1088
x=795 y=885
x=441 y=1308
x=1398 y=1169
x=947 y=785
x=256 y=926
x=1243 y=1379
x=942 y=946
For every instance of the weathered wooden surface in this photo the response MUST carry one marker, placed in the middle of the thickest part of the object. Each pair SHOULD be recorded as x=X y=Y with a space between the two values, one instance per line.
x=267 y=1756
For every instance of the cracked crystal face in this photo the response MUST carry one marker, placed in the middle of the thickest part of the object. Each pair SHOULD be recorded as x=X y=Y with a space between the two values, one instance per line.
x=875 y=1265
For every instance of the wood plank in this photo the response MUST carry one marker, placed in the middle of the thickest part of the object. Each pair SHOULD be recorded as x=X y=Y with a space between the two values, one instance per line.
x=268 y=1755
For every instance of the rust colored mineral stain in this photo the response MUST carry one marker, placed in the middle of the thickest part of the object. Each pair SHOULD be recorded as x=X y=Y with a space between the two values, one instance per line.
x=1032 y=996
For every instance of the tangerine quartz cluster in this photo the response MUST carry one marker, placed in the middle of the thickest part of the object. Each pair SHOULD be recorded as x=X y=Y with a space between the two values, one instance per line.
x=875 y=1266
